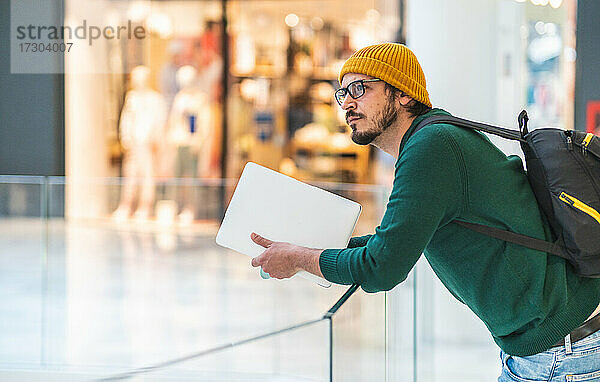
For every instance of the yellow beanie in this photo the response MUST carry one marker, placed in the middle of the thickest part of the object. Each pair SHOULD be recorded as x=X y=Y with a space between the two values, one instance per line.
x=393 y=63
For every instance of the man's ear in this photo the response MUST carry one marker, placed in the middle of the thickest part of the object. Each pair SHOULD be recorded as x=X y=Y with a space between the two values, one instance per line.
x=404 y=99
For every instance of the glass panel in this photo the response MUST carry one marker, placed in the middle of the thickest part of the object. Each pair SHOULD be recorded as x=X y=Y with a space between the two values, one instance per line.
x=56 y=323
x=117 y=293
x=359 y=335
x=300 y=354
x=400 y=339
x=450 y=336
x=23 y=276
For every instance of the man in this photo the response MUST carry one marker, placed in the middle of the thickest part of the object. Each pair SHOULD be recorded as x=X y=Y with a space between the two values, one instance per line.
x=529 y=300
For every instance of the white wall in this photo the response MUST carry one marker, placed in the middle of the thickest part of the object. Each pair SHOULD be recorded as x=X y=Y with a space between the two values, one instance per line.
x=454 y=42
x=461 y=45
x=510 y=71
x=86 y=93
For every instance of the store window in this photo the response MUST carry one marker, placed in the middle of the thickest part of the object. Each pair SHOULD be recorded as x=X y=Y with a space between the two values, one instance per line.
x=551 y=59
x=537 y=53
x=214 y=84
x=170 y=121
x=285 y=59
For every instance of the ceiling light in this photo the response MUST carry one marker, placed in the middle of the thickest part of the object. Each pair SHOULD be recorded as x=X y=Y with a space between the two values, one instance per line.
x=556 y=3
x=317 y=23
x=292 y=20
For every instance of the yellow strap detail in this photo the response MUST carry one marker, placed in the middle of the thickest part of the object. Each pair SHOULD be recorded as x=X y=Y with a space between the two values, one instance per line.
x=587 y=139
x=576 y=203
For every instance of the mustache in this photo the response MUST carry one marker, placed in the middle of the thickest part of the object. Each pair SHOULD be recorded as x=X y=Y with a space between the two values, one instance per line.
x=350 y=114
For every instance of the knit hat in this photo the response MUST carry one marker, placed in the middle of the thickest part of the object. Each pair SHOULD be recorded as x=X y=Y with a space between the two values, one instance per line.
x=393 y=63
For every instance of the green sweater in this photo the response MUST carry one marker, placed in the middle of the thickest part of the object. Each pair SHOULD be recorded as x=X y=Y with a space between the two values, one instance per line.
x=527 y=299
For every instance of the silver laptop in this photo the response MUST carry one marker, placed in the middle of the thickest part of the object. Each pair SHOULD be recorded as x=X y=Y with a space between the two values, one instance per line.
x=281 y=208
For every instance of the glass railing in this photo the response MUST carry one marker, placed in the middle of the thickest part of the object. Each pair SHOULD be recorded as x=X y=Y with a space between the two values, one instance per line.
x=93 y=295
x=88 y=293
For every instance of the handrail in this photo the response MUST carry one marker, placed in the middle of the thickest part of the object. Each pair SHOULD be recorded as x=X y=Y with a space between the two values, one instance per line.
x=112 y=180
x=147 y=369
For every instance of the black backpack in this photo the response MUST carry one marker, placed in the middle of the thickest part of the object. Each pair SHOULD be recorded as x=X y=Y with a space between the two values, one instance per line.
x=563 y=167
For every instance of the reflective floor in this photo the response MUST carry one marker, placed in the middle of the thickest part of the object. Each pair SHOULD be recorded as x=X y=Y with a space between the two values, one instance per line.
x=82 y=301
x=100 y=298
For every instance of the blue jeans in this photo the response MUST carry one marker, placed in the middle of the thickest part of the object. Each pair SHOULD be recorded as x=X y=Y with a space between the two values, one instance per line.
x=579 y=362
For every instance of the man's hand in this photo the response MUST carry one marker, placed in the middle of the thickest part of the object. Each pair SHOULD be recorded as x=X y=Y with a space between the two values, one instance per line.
x=283 y=260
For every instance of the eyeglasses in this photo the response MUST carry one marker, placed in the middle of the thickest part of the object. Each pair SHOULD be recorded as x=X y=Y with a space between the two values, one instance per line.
x=356 y=89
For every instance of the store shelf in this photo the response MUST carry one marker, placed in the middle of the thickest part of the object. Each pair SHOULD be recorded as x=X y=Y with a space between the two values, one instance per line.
x=324 y=161
x=260 y=71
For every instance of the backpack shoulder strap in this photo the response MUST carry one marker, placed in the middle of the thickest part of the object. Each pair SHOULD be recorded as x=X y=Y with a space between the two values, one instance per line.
x=500 y=131
x=512 y=237
x=522 y=240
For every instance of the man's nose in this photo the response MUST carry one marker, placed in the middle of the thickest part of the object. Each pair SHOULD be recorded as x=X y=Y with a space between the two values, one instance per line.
x=349 y=103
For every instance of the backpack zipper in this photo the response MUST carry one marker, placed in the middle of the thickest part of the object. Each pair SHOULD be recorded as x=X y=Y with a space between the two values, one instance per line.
x=569 y=134
x=569 y=140
x=586 y=141
x=581 y=206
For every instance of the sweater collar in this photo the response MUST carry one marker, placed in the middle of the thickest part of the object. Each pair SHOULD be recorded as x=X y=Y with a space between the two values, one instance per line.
x=416 y=121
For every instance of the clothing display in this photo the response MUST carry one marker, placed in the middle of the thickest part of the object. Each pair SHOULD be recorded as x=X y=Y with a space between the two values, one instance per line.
x=190 y=119
x=190 y=122
x=528 y=300
x=142 y=124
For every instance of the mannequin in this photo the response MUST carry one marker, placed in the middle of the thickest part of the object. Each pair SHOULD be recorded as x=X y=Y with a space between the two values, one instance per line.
x=190 y=122
x=141 y=126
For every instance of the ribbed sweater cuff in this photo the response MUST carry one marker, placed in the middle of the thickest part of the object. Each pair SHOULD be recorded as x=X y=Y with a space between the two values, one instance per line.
x=328 y=262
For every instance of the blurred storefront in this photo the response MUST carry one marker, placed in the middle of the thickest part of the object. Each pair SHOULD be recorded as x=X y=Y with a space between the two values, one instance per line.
x=285 y=60
x=548 y=33
x=173 y=105
x=188 y=101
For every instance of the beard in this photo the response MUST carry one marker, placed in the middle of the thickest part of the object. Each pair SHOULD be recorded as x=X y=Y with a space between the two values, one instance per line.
x=379 y=123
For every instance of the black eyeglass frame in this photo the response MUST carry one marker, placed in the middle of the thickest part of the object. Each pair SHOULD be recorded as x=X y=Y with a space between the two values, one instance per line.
x=344 y=91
